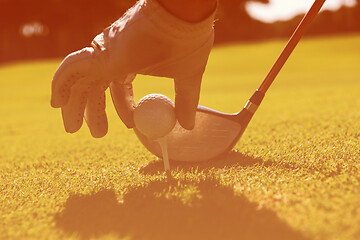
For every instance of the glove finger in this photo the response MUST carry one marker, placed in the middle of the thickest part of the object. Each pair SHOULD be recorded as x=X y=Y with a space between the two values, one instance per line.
x=73 y=111
x=74 y=67
x=123 y=99
x=187 y=93
x=95 y=114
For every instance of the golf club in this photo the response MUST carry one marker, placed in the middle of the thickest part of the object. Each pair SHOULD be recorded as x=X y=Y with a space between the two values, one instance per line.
x=216 y=133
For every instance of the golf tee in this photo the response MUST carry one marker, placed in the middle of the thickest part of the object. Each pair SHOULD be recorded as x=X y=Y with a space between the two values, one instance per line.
x=164 y=151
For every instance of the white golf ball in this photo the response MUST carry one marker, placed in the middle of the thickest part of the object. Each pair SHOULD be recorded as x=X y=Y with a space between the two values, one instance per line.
x=154 y=115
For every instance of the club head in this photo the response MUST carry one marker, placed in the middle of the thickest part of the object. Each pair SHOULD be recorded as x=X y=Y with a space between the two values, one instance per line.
x=214 y=134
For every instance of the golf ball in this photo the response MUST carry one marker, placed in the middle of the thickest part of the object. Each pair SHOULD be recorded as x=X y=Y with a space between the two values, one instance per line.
x=154 y=115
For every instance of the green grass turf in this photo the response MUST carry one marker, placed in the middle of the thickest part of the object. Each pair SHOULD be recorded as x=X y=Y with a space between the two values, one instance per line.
x=293 y=175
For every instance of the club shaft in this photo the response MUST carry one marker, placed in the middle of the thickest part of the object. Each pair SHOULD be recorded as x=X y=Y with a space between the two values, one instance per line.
x=293 y=41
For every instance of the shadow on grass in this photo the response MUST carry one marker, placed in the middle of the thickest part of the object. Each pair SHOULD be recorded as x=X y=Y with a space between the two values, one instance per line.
x=170 y=209
x=233 y=158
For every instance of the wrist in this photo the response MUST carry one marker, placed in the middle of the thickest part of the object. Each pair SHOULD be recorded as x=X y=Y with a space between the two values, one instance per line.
x=190 y=10
x=172 y=26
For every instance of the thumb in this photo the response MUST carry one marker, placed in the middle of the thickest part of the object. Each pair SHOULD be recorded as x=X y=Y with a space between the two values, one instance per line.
x=187 y=93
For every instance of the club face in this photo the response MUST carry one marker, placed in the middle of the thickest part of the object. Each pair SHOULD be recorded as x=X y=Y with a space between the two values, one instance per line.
x=214 y=134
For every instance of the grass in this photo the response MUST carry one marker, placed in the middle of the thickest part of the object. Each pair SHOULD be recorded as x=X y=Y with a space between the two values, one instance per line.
x=295 y=174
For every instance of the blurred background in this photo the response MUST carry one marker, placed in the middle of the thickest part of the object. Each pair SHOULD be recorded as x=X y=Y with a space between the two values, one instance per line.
x=53 y=28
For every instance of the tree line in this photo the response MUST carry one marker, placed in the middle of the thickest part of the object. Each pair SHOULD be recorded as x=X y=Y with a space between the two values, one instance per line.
x=54 y=28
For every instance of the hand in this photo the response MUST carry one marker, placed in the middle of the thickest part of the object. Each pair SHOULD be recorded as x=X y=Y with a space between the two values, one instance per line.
x=146 y=40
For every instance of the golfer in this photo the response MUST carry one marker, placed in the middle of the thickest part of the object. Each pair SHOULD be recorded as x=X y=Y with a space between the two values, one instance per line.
x=165 y=38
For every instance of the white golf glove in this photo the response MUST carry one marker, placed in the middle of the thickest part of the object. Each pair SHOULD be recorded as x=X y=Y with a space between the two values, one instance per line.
x=145 y=40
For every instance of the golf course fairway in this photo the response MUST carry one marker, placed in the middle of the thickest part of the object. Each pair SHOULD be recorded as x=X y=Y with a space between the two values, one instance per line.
x=294 y=174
